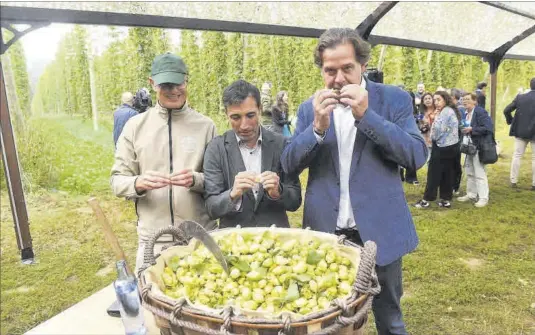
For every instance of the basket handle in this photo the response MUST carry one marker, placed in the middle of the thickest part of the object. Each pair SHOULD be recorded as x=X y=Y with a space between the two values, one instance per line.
x=149 y=258
x=366 y=281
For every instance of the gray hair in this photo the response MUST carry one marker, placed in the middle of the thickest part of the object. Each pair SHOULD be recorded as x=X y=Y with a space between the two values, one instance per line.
x=127 y=98
x=336 y=36
x=238 y=91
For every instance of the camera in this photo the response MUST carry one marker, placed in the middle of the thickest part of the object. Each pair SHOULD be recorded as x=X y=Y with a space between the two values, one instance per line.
x=374 y=75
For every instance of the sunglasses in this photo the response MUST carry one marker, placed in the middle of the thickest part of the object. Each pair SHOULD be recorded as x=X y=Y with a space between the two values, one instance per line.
x=171 y=86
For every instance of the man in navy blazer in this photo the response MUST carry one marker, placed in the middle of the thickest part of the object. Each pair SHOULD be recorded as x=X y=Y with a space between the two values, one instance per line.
x=353 y=136
x=523 y=129
x=480 y=126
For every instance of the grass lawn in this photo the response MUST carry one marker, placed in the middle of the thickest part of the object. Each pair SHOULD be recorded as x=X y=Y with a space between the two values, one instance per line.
x=473 y=272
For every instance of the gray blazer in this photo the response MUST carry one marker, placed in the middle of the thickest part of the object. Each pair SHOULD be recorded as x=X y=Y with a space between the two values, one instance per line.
x=223 y=161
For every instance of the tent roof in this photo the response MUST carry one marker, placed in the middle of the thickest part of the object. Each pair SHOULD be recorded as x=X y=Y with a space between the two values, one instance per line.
x=493 y=30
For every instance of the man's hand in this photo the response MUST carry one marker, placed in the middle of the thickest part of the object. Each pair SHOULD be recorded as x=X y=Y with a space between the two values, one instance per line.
x=151 y=180
x=467 y=130
x=182 y=178
x=356 y=97
x=243 y=182
x=324 y=102
x=271 y=182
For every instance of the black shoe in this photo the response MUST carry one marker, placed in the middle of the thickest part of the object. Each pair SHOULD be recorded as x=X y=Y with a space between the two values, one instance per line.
x=422 y=204
x=513 y=185
x=533 y=188
x=444 y=203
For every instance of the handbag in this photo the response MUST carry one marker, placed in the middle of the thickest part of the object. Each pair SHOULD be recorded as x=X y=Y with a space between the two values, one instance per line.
x=487 y=150
x=468 y=147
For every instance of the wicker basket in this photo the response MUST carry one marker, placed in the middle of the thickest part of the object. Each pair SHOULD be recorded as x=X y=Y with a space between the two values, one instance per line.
x=345 y=316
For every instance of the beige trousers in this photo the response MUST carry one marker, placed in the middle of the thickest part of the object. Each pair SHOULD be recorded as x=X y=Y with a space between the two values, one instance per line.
x=520 y=148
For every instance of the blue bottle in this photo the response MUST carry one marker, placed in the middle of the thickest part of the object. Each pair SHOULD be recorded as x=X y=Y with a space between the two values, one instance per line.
x=128 y=297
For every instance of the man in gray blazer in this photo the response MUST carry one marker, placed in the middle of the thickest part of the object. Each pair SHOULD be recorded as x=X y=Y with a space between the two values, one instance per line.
x=243 y=179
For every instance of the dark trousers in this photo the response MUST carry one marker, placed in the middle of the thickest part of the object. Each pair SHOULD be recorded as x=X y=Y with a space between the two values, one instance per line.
x=408 y=175
x=441 y=173
x=386 y=305
x=458 y=175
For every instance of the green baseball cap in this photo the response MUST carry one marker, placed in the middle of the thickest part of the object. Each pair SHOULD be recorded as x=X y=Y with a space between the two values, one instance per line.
x=168 y=68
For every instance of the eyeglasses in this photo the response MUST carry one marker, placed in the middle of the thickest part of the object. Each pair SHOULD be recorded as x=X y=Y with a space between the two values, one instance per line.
x=171 y=86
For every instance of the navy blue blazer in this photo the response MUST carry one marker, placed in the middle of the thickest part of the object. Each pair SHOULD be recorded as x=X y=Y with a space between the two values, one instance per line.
x=387 y=137
x=481 y=124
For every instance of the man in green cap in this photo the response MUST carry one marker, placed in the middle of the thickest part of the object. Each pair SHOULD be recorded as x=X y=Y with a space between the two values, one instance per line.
x=159 y=157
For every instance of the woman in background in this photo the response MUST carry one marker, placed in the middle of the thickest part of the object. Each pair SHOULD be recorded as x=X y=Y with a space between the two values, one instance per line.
x=279 y=113
x=426 y=118
x=445 y=145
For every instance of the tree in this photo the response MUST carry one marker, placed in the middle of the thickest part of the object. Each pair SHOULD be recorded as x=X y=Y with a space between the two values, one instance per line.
x=235 y=57
x=111 y=72
x=409 y=68
x=20 y=73
x=80 y=72
x=189 y=51
x=214 y=63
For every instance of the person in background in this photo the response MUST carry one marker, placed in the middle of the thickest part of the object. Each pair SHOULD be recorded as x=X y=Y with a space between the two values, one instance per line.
x=523 y=130
x=426 y=116
x=267 y=101
x=456 y=97
x=159 y=157
x=478 y=126
x=481 y=95
x=122 y=115
x=243 y=178
x=445 y=141
x=142 y=100
x=352 y=136
x=420 y=90
x=279 y=113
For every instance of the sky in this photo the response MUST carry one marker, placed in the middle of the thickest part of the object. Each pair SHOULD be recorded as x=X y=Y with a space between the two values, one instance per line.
x=40 y=45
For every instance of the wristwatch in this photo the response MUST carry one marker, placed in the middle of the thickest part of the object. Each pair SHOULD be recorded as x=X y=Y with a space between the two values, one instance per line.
x=319 y=133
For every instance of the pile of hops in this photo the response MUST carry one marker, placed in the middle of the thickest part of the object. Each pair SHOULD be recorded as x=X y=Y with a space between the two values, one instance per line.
x=267 y=274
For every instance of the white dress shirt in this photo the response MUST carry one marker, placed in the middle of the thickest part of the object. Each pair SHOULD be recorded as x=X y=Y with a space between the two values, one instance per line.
x=252 y=159
x=346 y=132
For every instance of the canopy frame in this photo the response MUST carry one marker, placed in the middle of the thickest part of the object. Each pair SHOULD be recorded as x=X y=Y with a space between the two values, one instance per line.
x=40 y=17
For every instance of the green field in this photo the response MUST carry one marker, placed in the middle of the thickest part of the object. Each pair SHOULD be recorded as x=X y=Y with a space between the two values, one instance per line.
x=473 y=272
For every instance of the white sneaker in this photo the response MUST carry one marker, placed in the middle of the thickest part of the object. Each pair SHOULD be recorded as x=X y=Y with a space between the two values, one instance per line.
x=481 y=203
x=465 y=198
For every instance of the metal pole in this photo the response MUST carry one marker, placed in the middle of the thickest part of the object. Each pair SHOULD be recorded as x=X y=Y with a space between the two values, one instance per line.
x=92 y=88
x=13 y=178
x=493 y=91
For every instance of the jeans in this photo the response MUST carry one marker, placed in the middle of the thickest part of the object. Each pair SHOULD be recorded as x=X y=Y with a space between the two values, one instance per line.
x=386 y=305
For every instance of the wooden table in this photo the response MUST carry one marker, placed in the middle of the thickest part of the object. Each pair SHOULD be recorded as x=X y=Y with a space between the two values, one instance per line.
x=89 y=317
